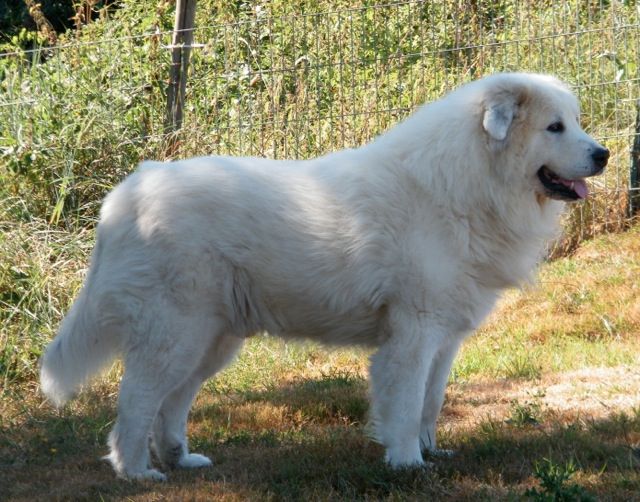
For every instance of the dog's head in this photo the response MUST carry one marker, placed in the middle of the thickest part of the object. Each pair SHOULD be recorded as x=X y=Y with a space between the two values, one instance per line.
x=535 y=121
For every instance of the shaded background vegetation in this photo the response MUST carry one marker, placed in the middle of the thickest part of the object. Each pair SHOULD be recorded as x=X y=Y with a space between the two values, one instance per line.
x=287 y=79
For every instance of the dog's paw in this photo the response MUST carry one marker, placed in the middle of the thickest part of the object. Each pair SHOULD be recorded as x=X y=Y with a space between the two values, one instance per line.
x=402 y=459
x=421 y=465
x=193 y=461
x=146 y=475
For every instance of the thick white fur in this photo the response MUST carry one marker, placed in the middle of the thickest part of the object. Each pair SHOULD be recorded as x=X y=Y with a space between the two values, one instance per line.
x=403 y=244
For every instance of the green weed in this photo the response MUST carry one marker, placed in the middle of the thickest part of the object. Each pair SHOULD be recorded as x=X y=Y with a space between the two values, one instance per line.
x=553 y=482
x=525 y=414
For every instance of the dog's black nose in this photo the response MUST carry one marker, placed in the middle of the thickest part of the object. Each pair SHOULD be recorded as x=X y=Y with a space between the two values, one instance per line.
x=600 y=157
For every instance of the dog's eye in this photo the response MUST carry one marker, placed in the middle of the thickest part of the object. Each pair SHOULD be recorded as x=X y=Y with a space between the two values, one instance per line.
x=556 y=127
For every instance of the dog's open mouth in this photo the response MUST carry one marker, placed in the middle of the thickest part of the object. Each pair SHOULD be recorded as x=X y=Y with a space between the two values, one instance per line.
x=560 y=188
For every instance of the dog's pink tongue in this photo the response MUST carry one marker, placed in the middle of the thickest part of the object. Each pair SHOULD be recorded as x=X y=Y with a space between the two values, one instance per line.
x=580 y=187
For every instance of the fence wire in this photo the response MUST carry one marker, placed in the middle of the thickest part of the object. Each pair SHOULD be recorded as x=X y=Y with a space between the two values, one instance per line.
x=300 y=85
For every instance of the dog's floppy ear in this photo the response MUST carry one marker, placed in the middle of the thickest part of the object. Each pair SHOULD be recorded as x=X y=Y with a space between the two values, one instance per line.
x=499 y=111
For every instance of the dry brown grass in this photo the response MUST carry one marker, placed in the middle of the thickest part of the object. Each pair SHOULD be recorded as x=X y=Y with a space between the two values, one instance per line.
x=298 y=442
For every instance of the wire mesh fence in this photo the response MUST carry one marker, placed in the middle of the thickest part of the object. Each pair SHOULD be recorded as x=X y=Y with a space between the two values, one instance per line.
x=77 y=117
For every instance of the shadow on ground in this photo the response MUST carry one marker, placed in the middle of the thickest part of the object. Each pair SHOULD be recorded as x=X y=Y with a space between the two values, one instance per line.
x=49 y=455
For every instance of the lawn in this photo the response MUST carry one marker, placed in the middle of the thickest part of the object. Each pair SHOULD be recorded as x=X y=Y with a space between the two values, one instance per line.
x=543 y=401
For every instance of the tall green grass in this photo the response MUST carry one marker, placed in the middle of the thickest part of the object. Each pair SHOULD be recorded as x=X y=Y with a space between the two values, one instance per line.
x=294 y=79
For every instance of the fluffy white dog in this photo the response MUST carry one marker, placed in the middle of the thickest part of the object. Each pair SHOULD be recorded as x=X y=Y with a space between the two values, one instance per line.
x=403 y=244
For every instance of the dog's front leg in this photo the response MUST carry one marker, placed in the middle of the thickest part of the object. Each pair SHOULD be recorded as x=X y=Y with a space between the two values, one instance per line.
x=399 y=372
x=434 y=394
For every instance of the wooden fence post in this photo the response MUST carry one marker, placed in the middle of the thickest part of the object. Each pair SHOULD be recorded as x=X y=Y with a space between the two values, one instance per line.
x=180 y=52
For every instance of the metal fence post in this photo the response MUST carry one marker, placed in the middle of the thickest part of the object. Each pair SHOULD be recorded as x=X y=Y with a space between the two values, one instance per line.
x=634 y=175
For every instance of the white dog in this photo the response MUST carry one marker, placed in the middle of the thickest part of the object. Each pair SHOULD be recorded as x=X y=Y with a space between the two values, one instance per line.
x=403 y=244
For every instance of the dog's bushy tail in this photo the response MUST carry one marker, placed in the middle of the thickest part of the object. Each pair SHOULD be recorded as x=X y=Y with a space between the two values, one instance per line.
x=81 y=349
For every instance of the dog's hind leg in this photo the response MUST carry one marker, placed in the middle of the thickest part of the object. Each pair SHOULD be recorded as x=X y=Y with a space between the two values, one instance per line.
x=155 y=362
x=169 y=430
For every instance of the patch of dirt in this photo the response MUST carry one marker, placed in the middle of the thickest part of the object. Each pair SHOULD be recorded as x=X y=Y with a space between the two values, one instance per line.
x=589 y=393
